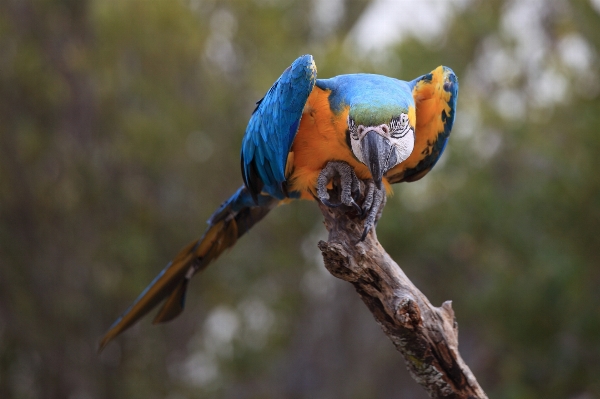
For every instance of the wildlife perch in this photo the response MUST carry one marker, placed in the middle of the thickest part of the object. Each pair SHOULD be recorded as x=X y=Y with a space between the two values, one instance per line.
x=351 y=135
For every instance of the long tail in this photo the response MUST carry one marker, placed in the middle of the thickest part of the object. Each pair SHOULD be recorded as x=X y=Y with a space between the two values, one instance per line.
x=233 y=218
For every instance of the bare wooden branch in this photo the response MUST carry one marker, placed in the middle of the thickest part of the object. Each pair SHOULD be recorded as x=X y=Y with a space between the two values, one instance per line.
x=426 y=336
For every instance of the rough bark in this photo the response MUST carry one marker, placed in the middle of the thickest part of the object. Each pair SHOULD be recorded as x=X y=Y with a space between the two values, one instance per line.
x=427 y=336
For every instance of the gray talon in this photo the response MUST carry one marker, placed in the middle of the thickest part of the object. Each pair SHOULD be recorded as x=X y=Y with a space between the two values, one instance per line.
x=350 y=191
x=356 y=207
x=369 y=194
x=378 y=197
x=365 y=232
x=330 y=204
x=348 y=183
x=324 y=177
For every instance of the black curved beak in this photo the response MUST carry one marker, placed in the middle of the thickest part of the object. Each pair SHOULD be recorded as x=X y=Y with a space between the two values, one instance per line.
x=377 y=155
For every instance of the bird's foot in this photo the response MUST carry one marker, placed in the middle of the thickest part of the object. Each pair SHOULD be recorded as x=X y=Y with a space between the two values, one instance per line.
x=371 y=204
x=351 y=190
x=348 y=183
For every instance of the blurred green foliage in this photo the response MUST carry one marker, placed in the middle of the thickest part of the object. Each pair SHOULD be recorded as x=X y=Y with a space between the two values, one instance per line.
x=120 y=126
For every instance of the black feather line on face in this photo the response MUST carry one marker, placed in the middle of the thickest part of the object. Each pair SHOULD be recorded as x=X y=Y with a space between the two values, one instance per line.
x=352 y=128
x=349 y=144
x=400 y=126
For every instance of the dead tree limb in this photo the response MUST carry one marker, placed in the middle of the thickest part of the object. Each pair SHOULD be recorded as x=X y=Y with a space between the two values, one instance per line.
x=426 y=336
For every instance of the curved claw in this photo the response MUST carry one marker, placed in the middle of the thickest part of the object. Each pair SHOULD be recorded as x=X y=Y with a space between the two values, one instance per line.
x=356 y=207
x=348 y=181
x=330 y=204
x=356 y=195
x=365 y=232
x=368 y=201
x=371 y=205
x=350 y=192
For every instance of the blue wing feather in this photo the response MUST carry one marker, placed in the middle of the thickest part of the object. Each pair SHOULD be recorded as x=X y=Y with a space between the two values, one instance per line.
x=273 y=127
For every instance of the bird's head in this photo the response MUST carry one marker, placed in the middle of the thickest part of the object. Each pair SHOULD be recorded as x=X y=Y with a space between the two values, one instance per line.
x=381 y=140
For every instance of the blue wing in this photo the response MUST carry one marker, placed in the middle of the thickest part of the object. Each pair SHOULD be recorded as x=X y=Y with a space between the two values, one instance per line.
x=273 y=127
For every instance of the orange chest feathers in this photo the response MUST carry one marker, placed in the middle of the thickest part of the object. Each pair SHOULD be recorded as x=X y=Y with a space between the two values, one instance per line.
x=321 y=138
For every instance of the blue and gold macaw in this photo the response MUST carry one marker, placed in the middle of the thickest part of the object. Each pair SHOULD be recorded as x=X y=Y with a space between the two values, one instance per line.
x=304 y=132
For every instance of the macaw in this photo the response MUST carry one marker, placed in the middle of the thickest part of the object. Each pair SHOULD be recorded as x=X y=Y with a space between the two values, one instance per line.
x=303 y=133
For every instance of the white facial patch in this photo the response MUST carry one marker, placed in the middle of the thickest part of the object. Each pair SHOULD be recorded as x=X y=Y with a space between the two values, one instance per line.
x=399 y=132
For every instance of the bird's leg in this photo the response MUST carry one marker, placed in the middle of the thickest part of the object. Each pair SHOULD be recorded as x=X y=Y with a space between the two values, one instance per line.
x=369 y=195
x=373 y=199
x=351 y=190
x=348 y=181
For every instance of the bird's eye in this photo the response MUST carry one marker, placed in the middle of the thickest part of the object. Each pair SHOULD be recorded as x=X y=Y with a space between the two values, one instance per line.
x=399 y=126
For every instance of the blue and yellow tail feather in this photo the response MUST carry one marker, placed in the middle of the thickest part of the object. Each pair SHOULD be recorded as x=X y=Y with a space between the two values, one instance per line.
x=229 y=222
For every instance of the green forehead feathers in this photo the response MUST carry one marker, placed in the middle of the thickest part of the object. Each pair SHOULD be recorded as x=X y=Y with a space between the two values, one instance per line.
x=374 y=114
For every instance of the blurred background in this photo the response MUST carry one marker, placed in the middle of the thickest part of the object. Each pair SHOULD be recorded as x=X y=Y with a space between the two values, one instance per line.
x=120 y=128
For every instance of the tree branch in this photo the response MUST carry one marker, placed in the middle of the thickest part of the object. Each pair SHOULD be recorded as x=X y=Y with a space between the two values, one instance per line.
x=426 y=336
